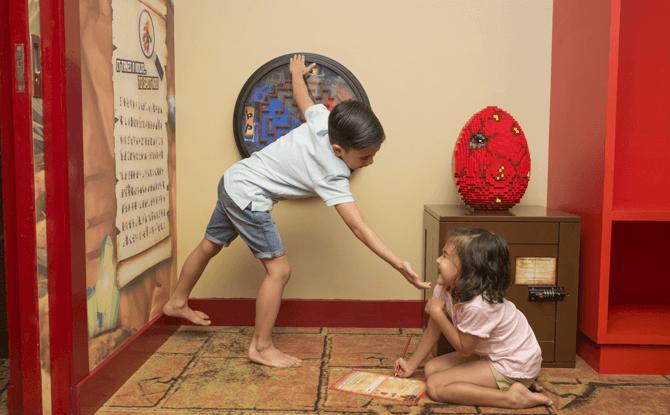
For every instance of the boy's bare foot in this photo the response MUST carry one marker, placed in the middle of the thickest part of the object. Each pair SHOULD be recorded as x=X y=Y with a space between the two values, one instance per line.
x=195 y=317
x=272 y=357
x=522 y=397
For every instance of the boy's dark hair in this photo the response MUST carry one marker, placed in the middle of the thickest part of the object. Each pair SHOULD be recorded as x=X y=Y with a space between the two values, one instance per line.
x=353 y=126
x=485 y=266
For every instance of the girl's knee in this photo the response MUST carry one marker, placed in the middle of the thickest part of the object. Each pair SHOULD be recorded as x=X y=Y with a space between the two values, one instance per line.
x=431 y=368
x=442 y=363
x=432 y=389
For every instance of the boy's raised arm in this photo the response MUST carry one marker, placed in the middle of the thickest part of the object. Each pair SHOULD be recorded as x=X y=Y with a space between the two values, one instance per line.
x=354 y=220
x=300 y=92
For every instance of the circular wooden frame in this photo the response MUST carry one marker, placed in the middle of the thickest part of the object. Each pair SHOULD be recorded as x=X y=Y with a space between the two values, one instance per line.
x=265 y=111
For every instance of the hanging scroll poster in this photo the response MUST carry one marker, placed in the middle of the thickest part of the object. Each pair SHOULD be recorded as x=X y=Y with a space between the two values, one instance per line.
x=140 y=136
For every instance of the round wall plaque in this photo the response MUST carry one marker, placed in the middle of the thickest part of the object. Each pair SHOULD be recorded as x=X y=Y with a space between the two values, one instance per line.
x=265 y=109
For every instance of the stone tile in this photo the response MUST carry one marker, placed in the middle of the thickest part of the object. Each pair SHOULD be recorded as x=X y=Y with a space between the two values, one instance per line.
x=564 y=395
x=362 y=351
x=223 y=329
x=237 y=345
x=361 y=330
x=221 y=380
x=446 y=408
x=543 y=409
x=228 y=345
x=4 y=368
x=150 y=383
x=586 y=373
x=3 y=397
x=643 y=399
x=185 y=342
x=249 y=330
x=301 y=330
x=237 y=384
x=302 y=347
x=111 y=411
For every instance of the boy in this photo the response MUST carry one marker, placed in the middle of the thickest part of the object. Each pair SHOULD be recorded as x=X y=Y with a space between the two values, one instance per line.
x=316 y=158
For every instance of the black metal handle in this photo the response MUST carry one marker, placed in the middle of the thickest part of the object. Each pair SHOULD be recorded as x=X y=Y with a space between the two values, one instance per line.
x=544 y=293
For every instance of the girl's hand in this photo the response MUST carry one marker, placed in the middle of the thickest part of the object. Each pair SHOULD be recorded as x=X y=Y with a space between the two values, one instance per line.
x=297 y=65
x=402 y=368
x=435 y=305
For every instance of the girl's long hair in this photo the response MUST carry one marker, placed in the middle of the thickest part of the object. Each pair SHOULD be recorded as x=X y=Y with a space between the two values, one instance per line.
x=485 y=265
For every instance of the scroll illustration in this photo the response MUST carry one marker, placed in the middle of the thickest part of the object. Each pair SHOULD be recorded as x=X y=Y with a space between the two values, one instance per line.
x=140 y=136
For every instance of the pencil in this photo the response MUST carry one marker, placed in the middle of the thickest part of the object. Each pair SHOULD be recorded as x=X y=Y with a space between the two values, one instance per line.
x=406 y=346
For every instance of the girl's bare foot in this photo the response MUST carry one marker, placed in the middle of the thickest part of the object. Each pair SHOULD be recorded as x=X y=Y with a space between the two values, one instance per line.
x=272 y=357
x=536 y=387
x=522 y=397
x=196 y=317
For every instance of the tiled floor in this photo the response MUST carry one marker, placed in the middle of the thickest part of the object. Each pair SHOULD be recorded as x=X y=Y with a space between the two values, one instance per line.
x=4 y=382
x=206 y=371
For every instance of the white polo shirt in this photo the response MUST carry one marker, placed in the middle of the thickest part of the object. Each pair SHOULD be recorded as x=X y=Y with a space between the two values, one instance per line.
x=300 y=164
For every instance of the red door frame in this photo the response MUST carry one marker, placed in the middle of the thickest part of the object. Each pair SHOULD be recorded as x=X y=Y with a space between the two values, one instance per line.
x=15 y=388
x=61 y=63
x=74 y=389
x=24 y=392
x=64 y=165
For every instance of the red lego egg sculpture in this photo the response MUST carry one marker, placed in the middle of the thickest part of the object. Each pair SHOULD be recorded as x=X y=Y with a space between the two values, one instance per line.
x=491 y=163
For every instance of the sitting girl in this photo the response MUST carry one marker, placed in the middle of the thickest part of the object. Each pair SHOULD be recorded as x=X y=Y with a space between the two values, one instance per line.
x=474 y=272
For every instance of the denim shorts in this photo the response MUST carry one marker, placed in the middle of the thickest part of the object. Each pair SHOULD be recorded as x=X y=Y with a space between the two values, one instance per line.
x=257 y=229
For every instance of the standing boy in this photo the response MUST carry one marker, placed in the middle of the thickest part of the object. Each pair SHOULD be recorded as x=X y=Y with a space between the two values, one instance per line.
x=316 y=158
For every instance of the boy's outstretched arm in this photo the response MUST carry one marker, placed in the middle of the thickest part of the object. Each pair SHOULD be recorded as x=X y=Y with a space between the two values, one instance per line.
x=353 y=218
x=300 y=91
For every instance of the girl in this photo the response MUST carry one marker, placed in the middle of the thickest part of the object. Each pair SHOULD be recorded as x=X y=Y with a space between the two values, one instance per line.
x=474 y=272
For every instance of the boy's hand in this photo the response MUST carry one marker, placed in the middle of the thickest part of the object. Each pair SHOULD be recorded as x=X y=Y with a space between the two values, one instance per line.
x=435 y=305
x=411 y=276
x=402 y=368
x=300 y=92
x=297 y=65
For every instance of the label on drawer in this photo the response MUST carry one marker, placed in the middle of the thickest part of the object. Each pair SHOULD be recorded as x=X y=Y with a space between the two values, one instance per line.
x=535 y=271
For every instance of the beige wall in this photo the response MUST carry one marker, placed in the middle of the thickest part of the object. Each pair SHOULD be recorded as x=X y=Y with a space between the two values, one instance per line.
x=427 y=66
